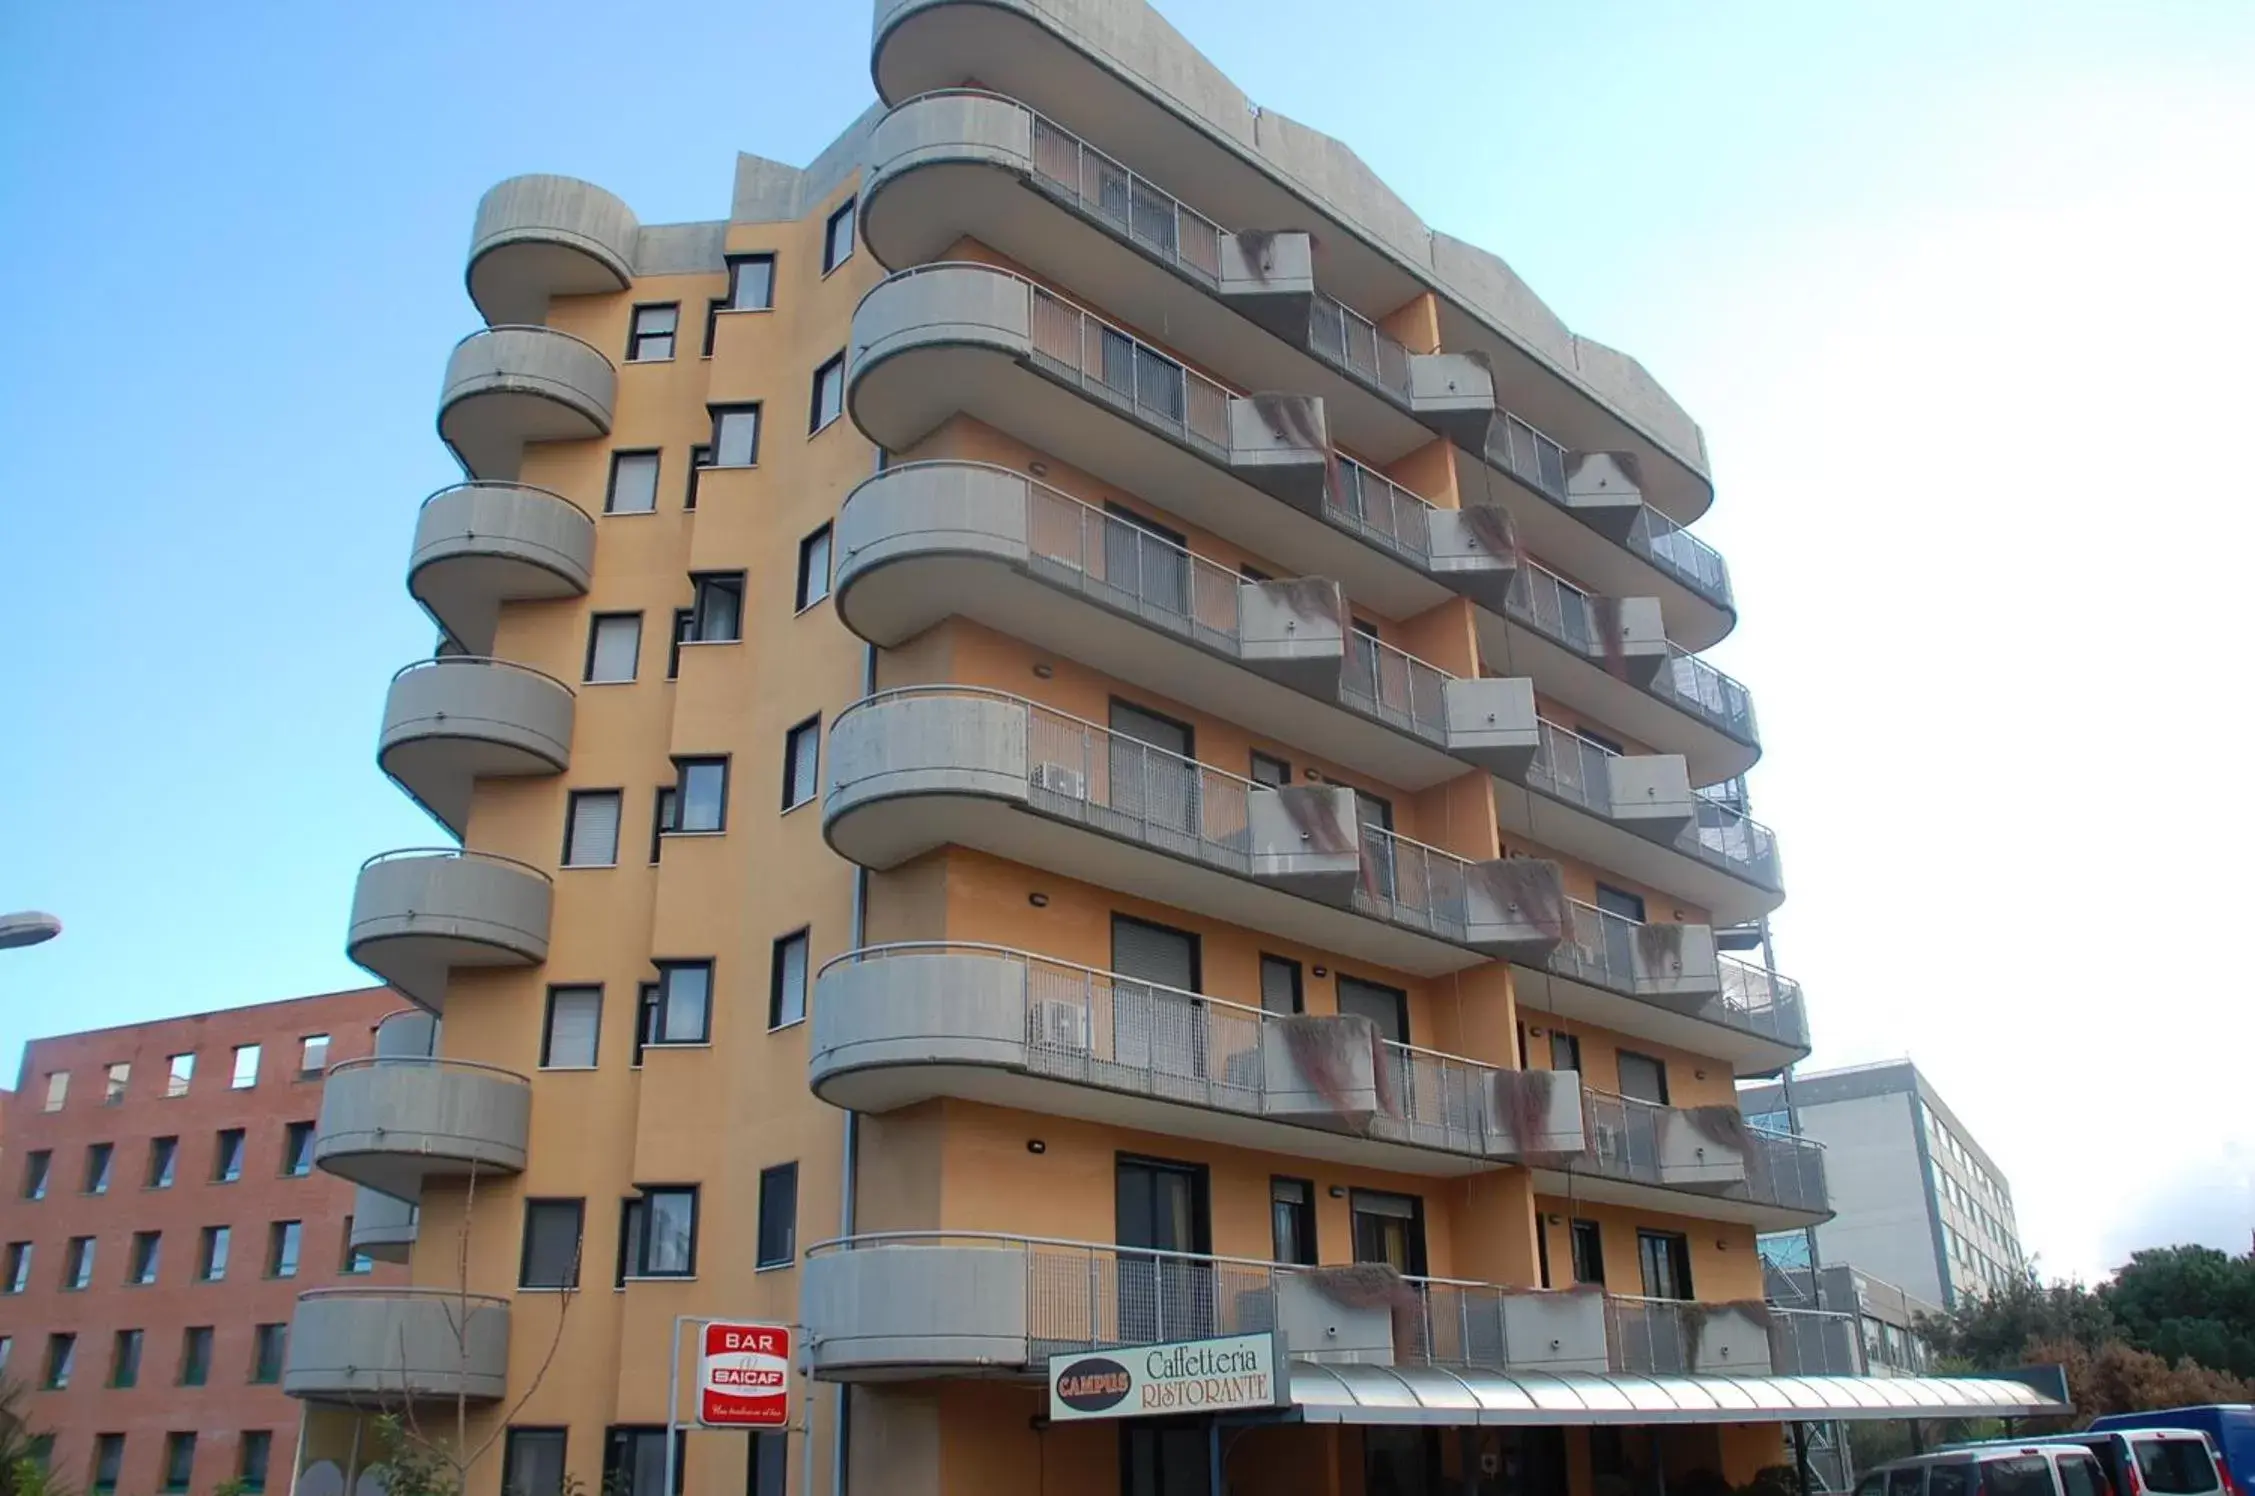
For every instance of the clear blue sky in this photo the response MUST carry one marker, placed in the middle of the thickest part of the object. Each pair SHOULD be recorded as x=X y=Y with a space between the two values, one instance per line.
x=1958 y=291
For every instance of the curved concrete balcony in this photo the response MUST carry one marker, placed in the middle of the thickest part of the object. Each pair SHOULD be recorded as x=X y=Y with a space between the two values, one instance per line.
x=388 y=1346
x=898 y=1024
x=917 y=769
x=452 y=721
x=507 y=386
x=538 y=237
x=420 y=913
x=1638 y=814
x=1645 y=1154
x=479 y=545
x=925 y=540
x=389 y=1123
x=383 y=1226
x=920 y=1303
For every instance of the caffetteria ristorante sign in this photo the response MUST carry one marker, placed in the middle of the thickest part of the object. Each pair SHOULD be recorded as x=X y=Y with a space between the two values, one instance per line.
x=1184 y=1376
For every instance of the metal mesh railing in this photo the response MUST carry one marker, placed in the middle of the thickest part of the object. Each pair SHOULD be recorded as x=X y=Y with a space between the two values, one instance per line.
x=1408 y=883
x=1759 y=1002
x=1601 y=948
x=1786 y=1171
x=1728 y=837
x=1630 y=1140
x=1396 y=687
x=1533 y=458
x=1380 y=510
x=1103 y=188
x=1116 y=367
x=1814 y=1342
x=1345 y=338
x=1120 y=563
x=1569 y=767
x=1549 y=603
x=1681 y=554
x=1699 y=687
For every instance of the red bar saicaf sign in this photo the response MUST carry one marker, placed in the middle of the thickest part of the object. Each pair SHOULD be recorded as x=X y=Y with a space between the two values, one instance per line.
x=744 y=1376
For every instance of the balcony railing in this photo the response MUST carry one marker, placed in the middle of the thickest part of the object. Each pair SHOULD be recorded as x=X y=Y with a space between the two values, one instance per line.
x=1760 y=1002
x=1119 y=562
x=1115 y=366
x=1412 y=884
x=1396 y=687
x=1630 y=1140
x=1380 y=510
x=1574 y=769
x=1101 y=187
x=1342 y=336
x=1570 y=767
x=1611 y=950
x=1699 y=687
x=1815 y=1342
x=1551 y=605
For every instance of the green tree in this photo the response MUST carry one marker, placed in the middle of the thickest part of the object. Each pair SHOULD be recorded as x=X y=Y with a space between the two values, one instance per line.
x=1993 y=1331
x=23 y=1450
x=2188 y=1302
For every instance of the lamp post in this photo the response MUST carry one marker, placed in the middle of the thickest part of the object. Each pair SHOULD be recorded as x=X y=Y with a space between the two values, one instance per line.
x=29 y=927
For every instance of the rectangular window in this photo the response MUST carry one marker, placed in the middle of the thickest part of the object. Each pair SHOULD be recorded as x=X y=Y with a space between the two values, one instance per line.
x=313 y=1055
x=550 y=1257
x=282 y=1249
x=179 y=1461
x=778 y=1216
x=837 y=239
x=634 y=1461
x=351 y=1261
x=700 y=458
x=1589 y=1252
x=652 y=335
x=786 y=987
x=297 y=1149
x=141 y=1267
x=1389 y=1229
x=1270 y=770
x=766 y=1471
x=37 y=1164
x=253 y=1454
x=661 y=819
x=125 y=1358
x=802 y=754
x=58 y=1088
x=1280 y=986
x=658 y=1233
x=614 y=646
x=195 y=1355
x=19 y=1266
x=700 y=794
x=62 y=1351
x=751 y=283
x=98 y=1157
x=1643 y=1078
x=78 y=1262
x=1565 y=1050
x=814 y=569
x=1665 y=1260
x=180 y=1069
x=1387 y=1007
x=735 y=440
x=114 y=1081
x=575 y=1022
x=591 y=828
x=713 y=309
x=268 y=1344
x=684 y=629
x=634 y=483
x=164 y=1156
x=680 y=1010
x=227 y=1156
x=1291 y=1219
x=829 y=396
x=717 y=614
x=109 y=1455
x=532 y=1462
x=246 y=1068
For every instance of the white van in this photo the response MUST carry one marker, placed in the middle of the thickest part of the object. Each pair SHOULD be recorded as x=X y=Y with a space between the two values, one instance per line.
x=2034 y=1468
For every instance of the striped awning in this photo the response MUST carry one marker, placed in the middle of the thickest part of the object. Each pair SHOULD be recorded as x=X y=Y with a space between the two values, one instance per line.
x=1439 y=1395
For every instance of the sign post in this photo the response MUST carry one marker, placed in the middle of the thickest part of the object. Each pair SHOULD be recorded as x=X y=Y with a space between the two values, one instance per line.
x=743 y=1381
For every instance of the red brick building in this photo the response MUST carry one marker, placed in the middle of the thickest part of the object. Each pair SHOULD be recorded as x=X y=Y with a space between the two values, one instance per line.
x=159 y=1215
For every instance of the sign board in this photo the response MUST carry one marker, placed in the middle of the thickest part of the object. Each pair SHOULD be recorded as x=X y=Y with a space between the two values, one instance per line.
x=744 y=1376
x=1184 y=1376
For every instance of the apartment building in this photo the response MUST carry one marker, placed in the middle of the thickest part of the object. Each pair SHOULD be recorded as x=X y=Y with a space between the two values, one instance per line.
x=1916 y=1200
x=1068 y=732
x=161 y=1215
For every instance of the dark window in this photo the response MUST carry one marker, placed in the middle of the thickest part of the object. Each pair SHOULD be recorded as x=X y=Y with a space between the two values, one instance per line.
x=62 y=1352
x=109 y=1454
x=634 y=1461
x=1280 y=986
x=680 y=1007
x=787 y=977
x=2025 y=1475
x=1664 y=1258
x=1390 y=1229
x=1643 y=1078
x=2174 y=1467
x=269 y=1345
x=1271 y=770
x=550 y=1258
x=661 y=819
x=532 y=1462
x=645 y=1019
x=700 y=458
x=282 y=1240
x=1565 y=1050
x=684 y=629
x=297 y=1149
x=713 y=309
x=1620 y=901
x=2079 y=1476
x=814 y=569
x=1166 y=1458
x=572 y=1034
x=1610 y=745
x=147 y=1252
x=658 y=1233
x=700 y=794
x=1588 y=1243
x=837 y=239
x=778 y=1216
x=351 y=1261
x=765 y=1470
x=19 y=1266
x=252 y=1457
x=179 y=1461
x=227 y=1156
x=211 y=1254
x=1253 y=574
x=1542 y=1250
x=35 y=1169
x=735 y=441
x=591 y=828
x=195 y=1355
x=614 y=645
x=653 y=333
x=829 y=394
x=802 y=758
x=751 y=283
x=717 y=615
x=78 y=1263
x=1291 y=1215
x=125 y=1358
x=634 y=484
x=1388 y=1007
x=98 y=1168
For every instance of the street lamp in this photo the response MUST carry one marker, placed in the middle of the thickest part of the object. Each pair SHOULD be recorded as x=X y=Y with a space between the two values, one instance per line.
x=27 y=928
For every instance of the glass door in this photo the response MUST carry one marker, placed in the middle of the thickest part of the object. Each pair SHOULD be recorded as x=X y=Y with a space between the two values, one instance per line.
x=1162 y=1207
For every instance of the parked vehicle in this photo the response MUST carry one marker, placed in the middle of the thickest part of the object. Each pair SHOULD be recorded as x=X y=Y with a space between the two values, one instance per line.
x=2144 y=1461
x=2230 y=1427
x=2034 y=1467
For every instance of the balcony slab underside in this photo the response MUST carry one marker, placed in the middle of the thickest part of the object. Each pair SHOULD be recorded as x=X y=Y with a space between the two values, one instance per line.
x=383 y=1226
x=387 y=1348
x=1684 y=1025
x=416 y=919
x=1706 y=1204
x=390 y=1126
x=480 y=545
x=1567 y=826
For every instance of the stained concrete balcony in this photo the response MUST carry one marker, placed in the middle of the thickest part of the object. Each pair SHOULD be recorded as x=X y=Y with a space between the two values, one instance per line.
x=923 y=541
x=899 y=1024
x=479 y=545
x=391 y=1346
x=1661 y=1157
x=510 y=386
x=539 y=237
x=453 y=721
x=1674 y=1337
x=383 y=1226
x=391 y=1122
x=420 y=913
x=917 y=769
